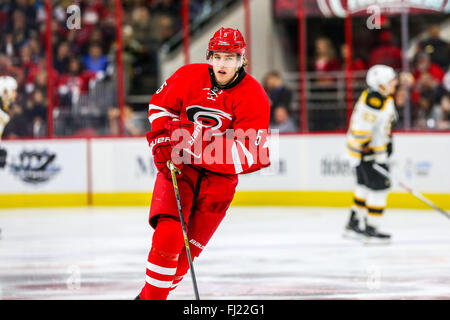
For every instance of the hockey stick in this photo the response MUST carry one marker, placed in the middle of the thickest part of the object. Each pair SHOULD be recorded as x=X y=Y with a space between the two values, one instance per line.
x=418 y=195
x=174 y=170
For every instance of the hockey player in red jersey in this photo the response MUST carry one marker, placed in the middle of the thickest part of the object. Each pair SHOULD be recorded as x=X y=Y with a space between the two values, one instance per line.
x=211 y=120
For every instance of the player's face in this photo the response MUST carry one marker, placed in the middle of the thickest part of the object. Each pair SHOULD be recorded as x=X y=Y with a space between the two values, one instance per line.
x=225 y=66
x=392 y=86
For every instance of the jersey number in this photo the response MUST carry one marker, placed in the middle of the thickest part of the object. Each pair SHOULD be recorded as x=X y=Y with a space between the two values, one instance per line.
x=162 y=87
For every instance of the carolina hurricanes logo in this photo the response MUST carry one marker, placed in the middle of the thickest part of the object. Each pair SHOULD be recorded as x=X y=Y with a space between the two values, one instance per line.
x=207 y=117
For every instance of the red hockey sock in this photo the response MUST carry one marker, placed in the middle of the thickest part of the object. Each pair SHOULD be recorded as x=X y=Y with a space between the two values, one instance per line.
x=163 y=259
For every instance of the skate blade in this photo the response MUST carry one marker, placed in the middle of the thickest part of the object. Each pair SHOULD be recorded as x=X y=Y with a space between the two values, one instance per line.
x=372 y=241
x=352 y=235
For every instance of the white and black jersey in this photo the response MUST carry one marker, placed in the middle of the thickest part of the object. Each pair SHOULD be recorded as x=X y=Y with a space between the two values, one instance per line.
x=370 y=127
x=4 y=117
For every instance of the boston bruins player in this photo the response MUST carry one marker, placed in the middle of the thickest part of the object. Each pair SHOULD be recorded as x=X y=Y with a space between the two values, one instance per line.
x=8 y=92
x=8 y=87
x=369 y=142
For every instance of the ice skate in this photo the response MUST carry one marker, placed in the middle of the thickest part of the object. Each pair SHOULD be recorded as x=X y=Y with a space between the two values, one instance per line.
x=373 y=236
x=352 y=229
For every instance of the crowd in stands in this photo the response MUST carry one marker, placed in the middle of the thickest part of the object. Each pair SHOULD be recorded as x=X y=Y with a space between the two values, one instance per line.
x=84 y=66
x=84 y=61
x=427 y=89
x=425 y=86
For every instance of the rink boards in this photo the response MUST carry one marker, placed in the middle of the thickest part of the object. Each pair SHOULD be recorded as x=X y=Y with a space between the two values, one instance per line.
x=308 y=170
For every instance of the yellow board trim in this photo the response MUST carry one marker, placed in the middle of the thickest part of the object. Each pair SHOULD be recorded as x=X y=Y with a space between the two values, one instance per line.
x=122 y=199
x=43 y=200
x=242 y=198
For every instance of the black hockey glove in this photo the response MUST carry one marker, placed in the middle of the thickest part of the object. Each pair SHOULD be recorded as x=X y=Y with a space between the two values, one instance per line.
x=3 y=154
x=389 y=148
x=366 y=154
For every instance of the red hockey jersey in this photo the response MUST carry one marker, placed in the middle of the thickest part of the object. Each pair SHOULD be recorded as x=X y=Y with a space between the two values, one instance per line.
x=190 y=94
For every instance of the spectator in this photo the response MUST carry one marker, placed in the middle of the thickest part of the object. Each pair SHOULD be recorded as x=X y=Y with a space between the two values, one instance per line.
x=36 y=114
x=39 y=82
x=424 y=110
x=140 y=64
x=4 y=11
x=165 y=28
x=141 y=47
x=95 y=61
x=29 y=11
x=8 y=46
x=282 y=121
x=62 y=58
x=438 y=49
x=59 y=32
x=443 y=113
x=324 y=89
x=129 y=122
x=74 y=83
x=400 y=99
x=92 y=13
x=72 y=40
x=95 y=37
x=386 y=52
x=18 y=126
x=143 y=26
x=171 y=8
x=424 y=65
x=109 y=15
x=7 y=68
x=19 y=31
x=26 y=64
x=279 y=95
x=357 y=63
x=446 y=82
x=41 y=65
x=36 y=48
x=427 y=75
x=325 y=59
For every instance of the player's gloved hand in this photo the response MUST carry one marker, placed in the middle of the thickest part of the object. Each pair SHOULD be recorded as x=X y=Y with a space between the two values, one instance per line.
x=159 y=143
x=389 y=149
x=186 y=138
x=366 y=153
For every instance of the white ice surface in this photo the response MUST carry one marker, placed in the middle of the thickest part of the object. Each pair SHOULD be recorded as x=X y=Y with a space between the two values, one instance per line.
x=257 y=253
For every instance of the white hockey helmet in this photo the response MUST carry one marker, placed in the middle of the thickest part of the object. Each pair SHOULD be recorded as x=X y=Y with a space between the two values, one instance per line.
x=11 y=84
x=8 y=87
x=2 y=86
x=378 y=75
